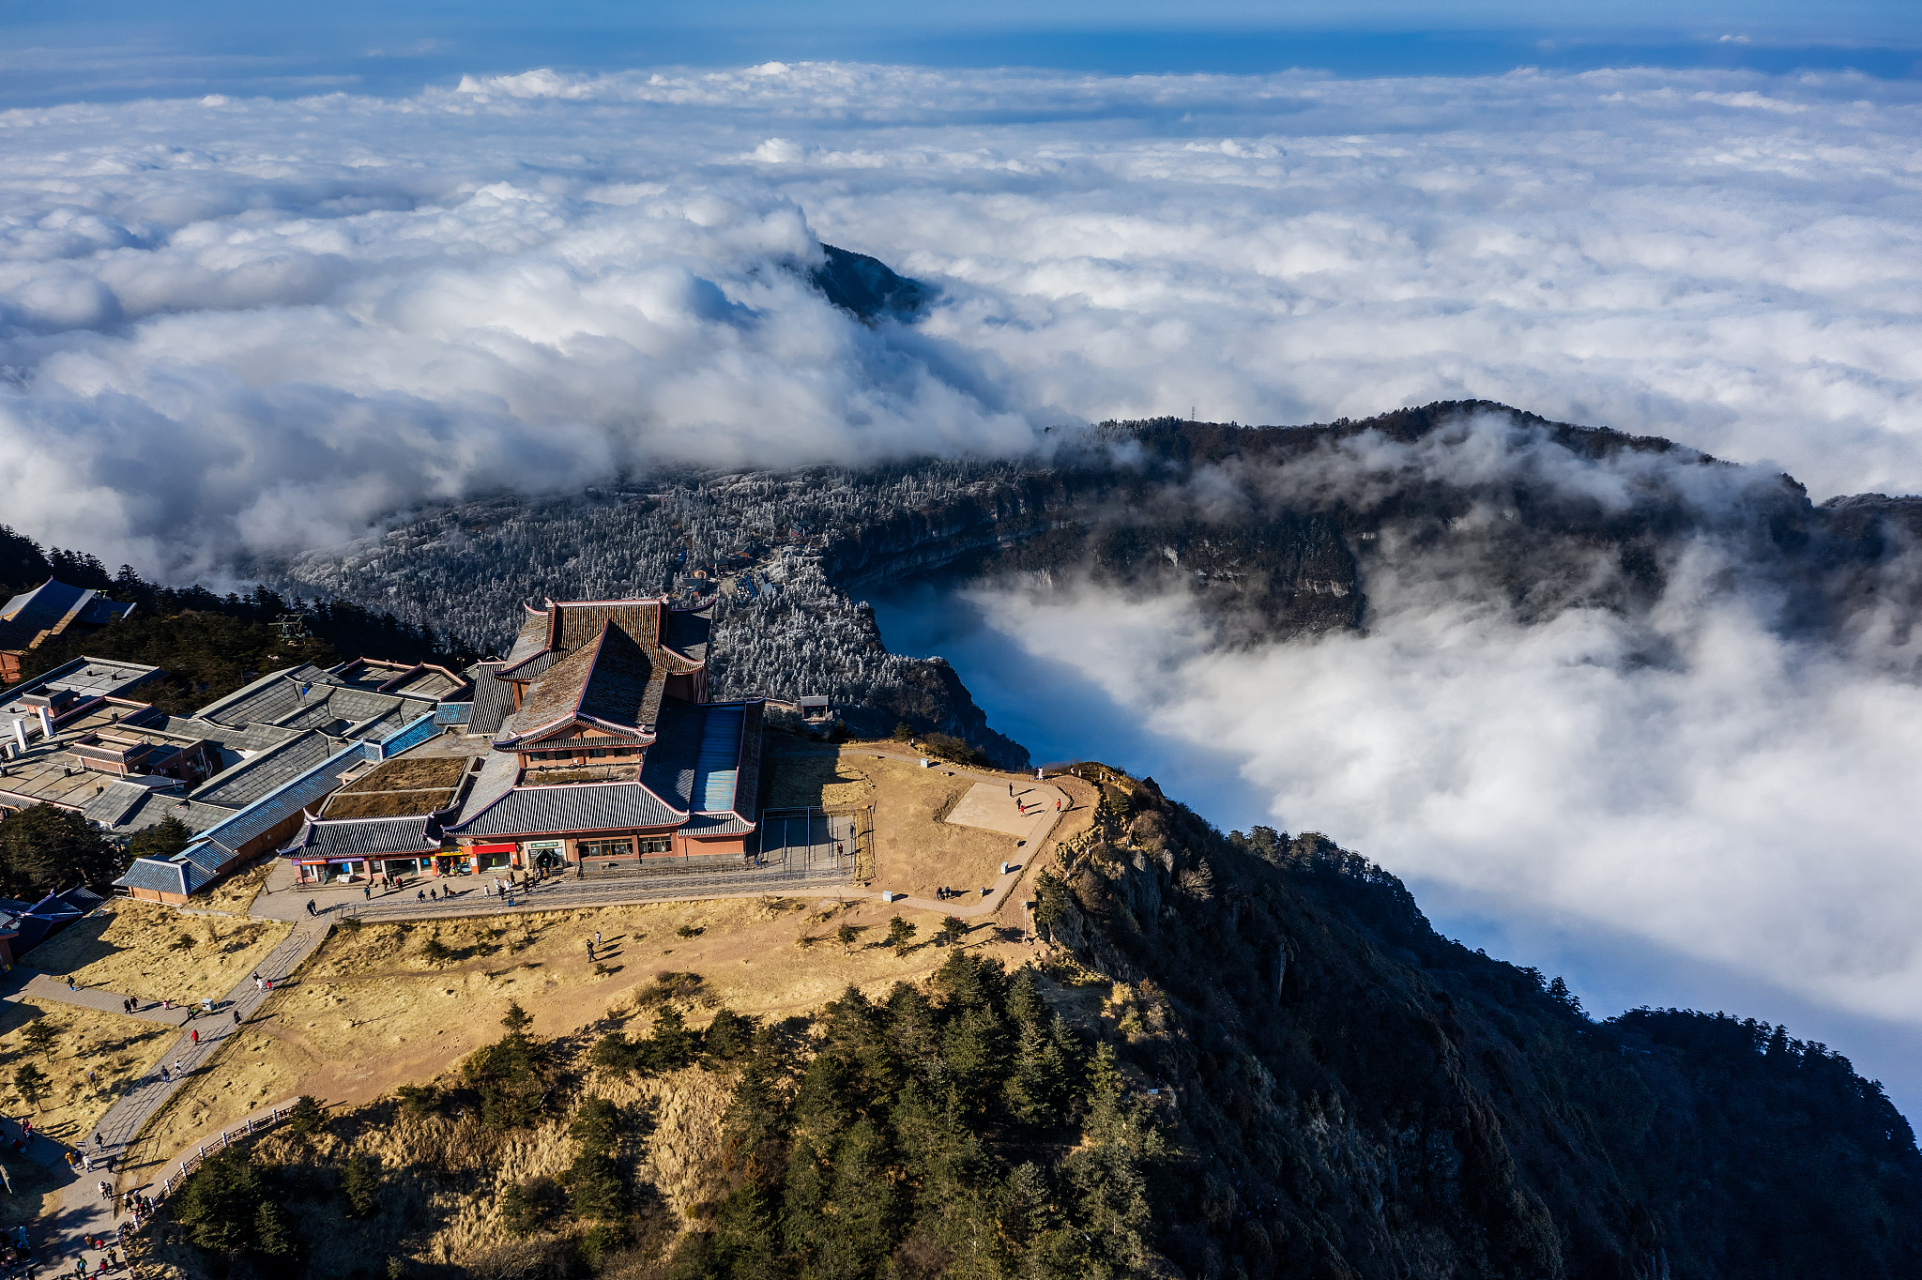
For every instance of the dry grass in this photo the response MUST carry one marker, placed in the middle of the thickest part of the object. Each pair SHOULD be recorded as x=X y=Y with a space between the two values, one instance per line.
x=386 y=804
x=116 y=1048
x=129 y=947
x=370 y=1011
x=816 y=776
x=236 y=893
x=431 y=773
x=443 y=1176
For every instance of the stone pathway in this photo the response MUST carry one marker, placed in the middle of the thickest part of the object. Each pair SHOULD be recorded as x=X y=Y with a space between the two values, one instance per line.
x=83 y=1211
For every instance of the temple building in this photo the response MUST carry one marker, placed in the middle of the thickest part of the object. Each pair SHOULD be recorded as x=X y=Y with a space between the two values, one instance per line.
x=51 y=609
x=592 y=745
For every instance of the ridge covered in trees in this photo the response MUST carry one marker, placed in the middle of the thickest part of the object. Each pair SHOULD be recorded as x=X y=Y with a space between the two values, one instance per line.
x=210 y=644
x=1292 y=1074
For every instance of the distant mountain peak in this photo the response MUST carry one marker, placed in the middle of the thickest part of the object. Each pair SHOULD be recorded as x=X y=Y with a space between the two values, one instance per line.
x=867 y=287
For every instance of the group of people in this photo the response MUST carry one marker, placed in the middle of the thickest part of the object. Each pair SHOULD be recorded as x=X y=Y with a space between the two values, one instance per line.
x=83 y=1161
x=17 y=1252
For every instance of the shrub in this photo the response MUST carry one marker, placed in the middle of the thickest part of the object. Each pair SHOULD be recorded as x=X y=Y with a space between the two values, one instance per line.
x=728 y=1037
x=529 y=1206
x=361 y=1181
x=417 y=1101
x=436 y=952
x=307 y=1117
x=31 y=1083
x=900 y=935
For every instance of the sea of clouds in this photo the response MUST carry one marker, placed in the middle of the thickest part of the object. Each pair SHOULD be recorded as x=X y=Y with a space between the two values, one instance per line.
x=258 y=325
x=231 y=328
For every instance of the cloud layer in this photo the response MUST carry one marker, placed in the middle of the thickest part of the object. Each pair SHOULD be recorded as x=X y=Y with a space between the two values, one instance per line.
x=237 y=326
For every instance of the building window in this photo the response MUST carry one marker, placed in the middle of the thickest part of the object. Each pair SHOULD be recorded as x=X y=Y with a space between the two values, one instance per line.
x=657 y=844
x=606 y=848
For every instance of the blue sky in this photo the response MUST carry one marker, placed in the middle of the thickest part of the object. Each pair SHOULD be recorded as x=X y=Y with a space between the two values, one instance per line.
x=59 y=50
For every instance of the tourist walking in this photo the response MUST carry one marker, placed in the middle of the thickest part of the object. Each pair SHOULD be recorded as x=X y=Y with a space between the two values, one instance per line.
x=310 y=908
x=236 y=1017
x=196 y=1036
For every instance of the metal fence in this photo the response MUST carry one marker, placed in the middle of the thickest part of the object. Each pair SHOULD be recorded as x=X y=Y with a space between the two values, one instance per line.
x=814 y=841
x=221 y=1143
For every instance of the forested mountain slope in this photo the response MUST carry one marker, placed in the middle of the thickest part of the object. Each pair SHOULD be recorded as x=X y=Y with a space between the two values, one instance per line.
x=1260 y=1061
x=1273 y=532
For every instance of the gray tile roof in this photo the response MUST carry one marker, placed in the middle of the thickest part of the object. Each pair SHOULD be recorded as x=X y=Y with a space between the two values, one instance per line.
x=116 y=800
x=532 y=638
x=328 y=705
x=236 y=707
x=155 y=875
x=686 y=631
x=364 y=838
x=157 y=805
x=228 y=737
x=668 y=768
x=261 y=776
x=573 y=807
x=717 y=824
x=493 y=699
x=707 y=758
x=295 y=795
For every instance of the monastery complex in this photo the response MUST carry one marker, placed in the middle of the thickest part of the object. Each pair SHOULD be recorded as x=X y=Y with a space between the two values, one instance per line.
x=591 y=745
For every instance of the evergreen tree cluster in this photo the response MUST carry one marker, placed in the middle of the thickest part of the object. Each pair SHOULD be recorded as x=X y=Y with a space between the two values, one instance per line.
x=212 y=644
x=959 y=1131
x=44 y=849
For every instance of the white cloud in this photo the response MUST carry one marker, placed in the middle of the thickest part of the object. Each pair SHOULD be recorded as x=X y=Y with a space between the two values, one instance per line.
x=532 y=278
x=1700 y=780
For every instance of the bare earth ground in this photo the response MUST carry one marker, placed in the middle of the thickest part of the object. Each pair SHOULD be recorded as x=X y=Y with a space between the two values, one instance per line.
x=129 y=947
x=915 y=852
x=116 y=1048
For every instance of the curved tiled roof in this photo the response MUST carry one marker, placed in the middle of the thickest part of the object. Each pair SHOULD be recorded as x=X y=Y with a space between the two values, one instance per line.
x=364 y=838
x=571 y=807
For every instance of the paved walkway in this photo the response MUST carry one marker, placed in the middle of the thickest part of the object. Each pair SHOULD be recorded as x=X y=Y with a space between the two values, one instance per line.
x=83 y=1211
x=25 y=984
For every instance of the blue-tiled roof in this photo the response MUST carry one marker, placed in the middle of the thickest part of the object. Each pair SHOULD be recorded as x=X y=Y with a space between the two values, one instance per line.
x=718 y=763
